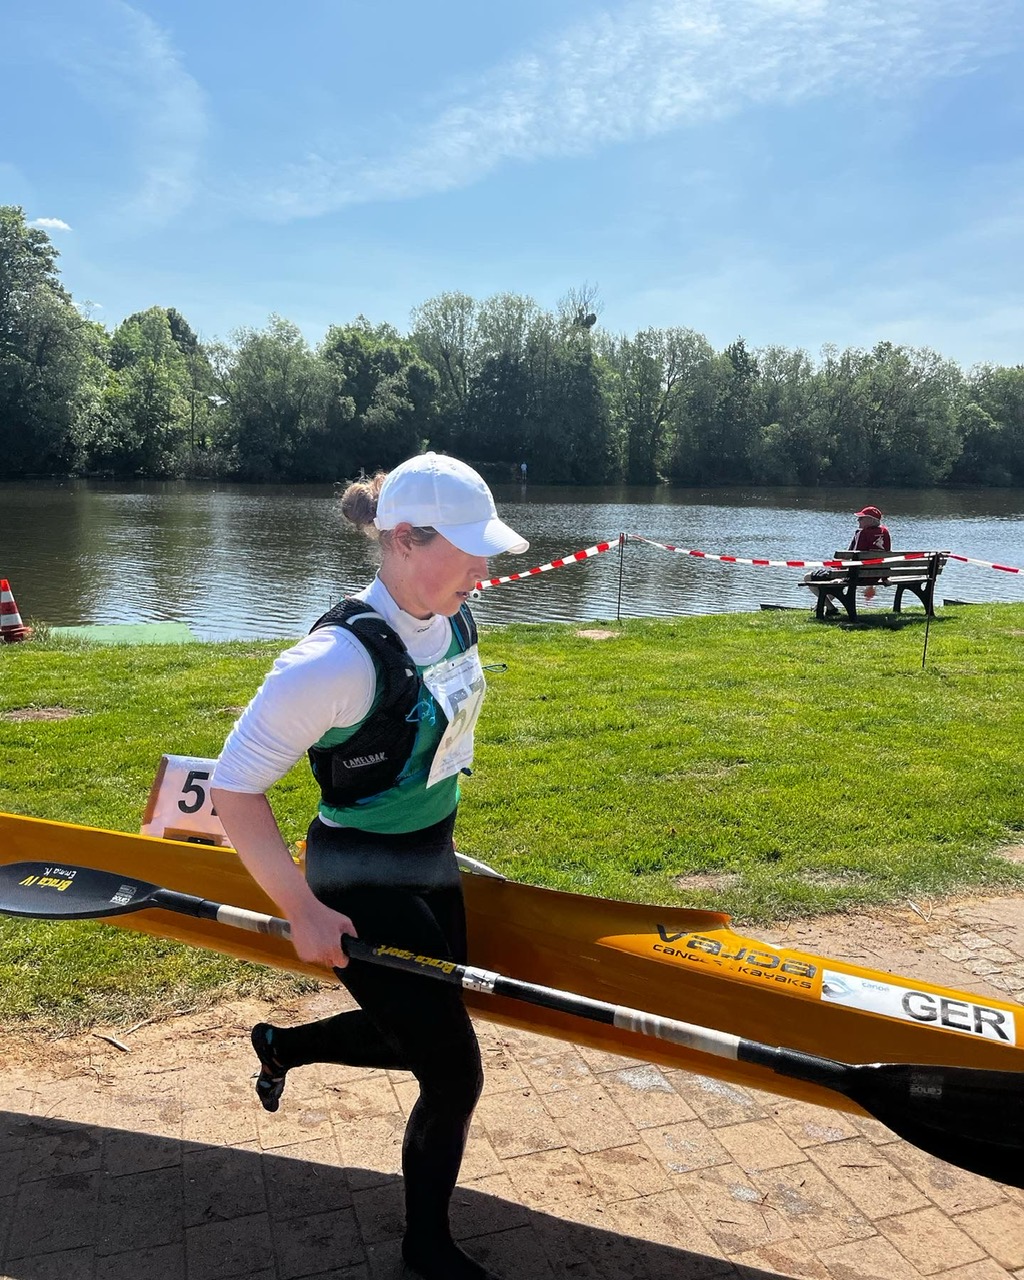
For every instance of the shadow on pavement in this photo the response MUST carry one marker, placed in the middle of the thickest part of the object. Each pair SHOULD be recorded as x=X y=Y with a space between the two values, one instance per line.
x=87 y=1202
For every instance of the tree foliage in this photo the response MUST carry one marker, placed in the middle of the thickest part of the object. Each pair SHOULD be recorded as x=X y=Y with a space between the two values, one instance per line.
x=499 y=382
x=45 y=352
x=274 y=394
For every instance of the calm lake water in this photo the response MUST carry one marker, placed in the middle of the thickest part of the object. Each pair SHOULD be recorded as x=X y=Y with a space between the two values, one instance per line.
x=240 y=561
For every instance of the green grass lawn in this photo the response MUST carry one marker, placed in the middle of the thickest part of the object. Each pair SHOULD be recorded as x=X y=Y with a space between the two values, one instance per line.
x=817 y=766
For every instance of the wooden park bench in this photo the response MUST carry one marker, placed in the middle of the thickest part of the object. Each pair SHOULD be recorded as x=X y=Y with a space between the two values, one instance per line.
x=913 y=571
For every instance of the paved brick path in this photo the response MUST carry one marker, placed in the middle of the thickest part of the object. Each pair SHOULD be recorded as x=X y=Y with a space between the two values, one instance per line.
x=158 y=1163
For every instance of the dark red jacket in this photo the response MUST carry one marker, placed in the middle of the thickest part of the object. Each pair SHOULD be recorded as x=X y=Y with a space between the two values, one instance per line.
x=874 y=538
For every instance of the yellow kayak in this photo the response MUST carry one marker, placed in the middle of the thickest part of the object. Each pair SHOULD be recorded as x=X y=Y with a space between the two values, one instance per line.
x=682 y=964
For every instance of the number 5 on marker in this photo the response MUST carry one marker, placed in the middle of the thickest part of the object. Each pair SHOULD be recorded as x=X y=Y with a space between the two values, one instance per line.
x=191 y=787
x=179 y=805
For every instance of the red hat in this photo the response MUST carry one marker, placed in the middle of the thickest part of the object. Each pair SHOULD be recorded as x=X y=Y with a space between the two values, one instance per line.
x=873 y=512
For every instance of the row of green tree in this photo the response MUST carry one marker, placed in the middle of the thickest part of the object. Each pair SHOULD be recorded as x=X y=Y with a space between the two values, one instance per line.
x=497 y=382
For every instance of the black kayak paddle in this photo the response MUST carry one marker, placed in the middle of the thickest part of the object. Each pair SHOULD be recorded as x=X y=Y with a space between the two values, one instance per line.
x=970 y=1117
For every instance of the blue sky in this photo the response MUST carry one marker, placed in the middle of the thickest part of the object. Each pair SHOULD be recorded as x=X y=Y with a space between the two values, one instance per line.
x=795 y=171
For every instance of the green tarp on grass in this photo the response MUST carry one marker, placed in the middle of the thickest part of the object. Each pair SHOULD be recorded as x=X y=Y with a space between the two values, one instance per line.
x=130 y=633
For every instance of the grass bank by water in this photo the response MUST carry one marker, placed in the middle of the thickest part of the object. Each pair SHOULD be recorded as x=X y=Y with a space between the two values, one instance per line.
x=784 y=766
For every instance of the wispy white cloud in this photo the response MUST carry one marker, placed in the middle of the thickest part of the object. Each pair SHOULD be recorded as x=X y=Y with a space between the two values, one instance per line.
x=655 y=66
x=50 y=224
x=127 y=65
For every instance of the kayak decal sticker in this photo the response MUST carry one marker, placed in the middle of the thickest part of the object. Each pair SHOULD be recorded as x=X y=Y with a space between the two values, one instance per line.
x=753 y=962
x=926 y=1007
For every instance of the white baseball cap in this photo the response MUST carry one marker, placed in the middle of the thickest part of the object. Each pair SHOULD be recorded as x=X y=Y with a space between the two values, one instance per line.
x=437 y=492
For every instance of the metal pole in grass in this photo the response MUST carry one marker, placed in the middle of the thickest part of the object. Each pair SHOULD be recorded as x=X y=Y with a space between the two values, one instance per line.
x=618 y=602
x=935 y=564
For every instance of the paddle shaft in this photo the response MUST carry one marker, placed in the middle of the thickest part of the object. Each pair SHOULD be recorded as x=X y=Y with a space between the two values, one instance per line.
x=720 y=1044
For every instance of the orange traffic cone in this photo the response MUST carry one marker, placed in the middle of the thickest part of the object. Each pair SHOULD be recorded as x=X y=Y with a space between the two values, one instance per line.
x=11 y=626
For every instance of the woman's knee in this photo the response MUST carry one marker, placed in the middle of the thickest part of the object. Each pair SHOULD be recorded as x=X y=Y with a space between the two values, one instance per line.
x=452 y=1083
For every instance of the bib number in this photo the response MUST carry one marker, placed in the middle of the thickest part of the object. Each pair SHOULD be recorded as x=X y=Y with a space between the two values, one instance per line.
x=458 y=687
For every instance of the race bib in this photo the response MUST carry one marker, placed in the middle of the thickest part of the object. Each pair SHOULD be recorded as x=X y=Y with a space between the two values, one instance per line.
x=458 y=686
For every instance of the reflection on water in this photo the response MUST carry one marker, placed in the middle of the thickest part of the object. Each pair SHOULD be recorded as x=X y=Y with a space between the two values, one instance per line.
x=245 y=561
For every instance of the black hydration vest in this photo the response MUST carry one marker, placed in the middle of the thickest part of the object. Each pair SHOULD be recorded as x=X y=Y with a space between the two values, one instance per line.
x=373 y=758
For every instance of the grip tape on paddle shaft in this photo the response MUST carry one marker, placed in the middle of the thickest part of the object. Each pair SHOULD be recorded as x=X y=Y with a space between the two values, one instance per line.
x=186 y=904
x=206 y=909
x=792 y=1062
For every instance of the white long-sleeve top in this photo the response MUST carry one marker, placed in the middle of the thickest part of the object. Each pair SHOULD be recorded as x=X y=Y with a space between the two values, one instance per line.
x=325 y=681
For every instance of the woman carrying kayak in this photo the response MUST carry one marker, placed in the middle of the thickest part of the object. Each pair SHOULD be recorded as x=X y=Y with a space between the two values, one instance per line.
x=383 y=694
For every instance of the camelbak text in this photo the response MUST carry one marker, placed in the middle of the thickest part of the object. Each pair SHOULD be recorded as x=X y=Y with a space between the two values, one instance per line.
x=359 y=762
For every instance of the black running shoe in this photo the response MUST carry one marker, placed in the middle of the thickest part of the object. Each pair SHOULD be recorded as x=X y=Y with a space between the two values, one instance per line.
x=270 y=1081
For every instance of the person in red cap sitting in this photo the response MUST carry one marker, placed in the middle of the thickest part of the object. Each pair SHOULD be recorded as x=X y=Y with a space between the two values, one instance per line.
x=871 y=534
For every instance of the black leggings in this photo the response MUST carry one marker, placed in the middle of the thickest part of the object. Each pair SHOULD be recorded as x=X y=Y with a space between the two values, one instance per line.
x=404 y=1022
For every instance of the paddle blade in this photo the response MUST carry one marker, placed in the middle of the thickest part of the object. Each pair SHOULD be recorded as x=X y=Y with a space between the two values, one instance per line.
x=966 y=1116
x=50 y=892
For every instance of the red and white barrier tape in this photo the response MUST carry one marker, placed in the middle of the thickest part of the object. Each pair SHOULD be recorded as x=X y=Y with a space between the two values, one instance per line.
x=600 y=547
x=782 y=564
x=813 y=564
x=986 y=564
x=553 y=564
